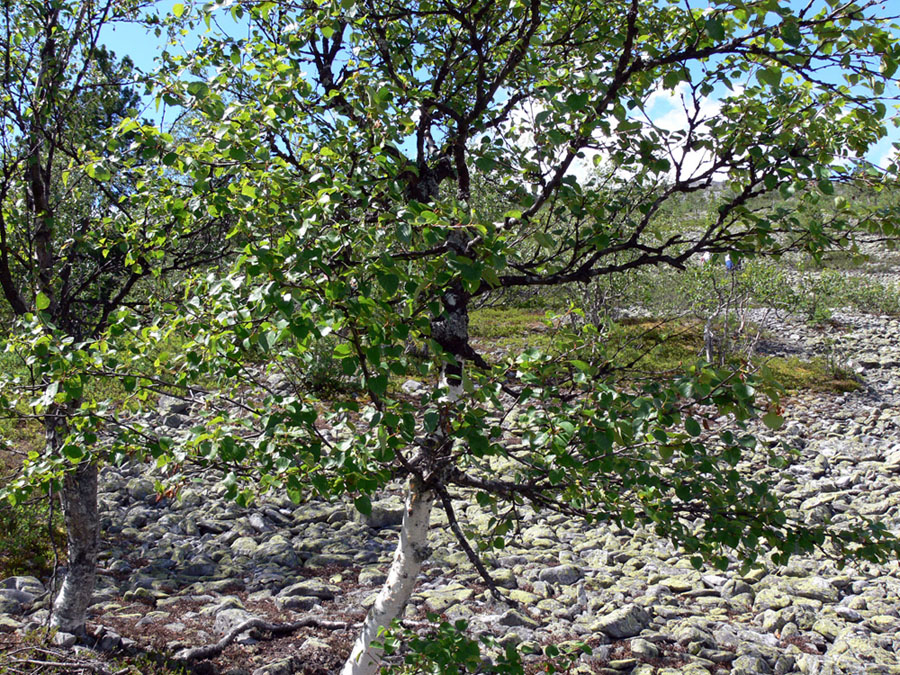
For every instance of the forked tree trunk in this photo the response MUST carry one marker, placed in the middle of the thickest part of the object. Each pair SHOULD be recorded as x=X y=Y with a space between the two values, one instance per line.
x=79 y=498
x=451 y=332
x=412 y=551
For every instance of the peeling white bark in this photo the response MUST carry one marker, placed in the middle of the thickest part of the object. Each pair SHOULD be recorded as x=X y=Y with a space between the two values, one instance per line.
x=83 y=532
x=454 y=387
x=412 y=551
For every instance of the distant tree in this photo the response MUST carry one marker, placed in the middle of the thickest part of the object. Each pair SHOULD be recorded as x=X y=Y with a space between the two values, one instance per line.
x=74 y=247
x=350 y=133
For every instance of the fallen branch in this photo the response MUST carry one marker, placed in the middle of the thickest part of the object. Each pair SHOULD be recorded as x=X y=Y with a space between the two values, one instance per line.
x=66 y=666
x=213 y=650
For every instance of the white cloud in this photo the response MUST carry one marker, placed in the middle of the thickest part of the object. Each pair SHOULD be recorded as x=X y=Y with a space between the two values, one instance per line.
x=892 y=156
x=665 y=112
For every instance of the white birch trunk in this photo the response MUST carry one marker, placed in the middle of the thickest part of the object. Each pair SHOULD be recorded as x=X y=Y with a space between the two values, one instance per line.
x=412 y=551
x=79 y=496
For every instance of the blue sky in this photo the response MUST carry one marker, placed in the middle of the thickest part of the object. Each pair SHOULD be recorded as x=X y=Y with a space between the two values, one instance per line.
x=144 y=47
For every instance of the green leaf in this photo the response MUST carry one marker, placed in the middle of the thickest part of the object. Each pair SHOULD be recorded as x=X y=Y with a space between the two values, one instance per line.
x=178 y=10
x=72 y=452
x=769 y=76
x=692 y=426
x=42 y=302
x=431 y=419
x=714 y=28
x=583 y=366
x=578 y=101
x=378 y=385
x=198 y=89
x=485 y=164
x=363 y=504
x=790 y=33
x=389 y=282
x=343 y=350
x=773 y=420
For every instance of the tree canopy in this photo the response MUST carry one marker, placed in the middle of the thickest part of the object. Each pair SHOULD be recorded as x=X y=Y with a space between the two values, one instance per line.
x=385 y=165
x=391 y=163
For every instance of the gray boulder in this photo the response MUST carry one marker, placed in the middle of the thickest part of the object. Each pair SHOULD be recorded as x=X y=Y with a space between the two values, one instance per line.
x=625 y=622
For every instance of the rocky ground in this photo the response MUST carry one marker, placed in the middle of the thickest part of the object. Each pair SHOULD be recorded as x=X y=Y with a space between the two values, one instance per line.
x=181 y=572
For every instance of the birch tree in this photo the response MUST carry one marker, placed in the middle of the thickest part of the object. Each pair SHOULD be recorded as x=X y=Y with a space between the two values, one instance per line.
x=352 y=133
x=74 y=250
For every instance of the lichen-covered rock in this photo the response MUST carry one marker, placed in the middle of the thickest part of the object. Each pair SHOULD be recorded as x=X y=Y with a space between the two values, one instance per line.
x=644 y=648
x=8 y=624
x=244 y=546
x=314 y=588
x=286 y=666
x=440 y=600
x=622 y=623
x=561 y=574
x=816 y=588
x=228 y=619
x=749 y=665
x=387 y=512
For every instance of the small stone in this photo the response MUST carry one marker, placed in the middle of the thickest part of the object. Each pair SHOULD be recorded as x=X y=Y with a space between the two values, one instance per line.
x=441 y=600
x=385 y=513
x=314 y=588
x=771 y=598
x=23 y=598
x=412 y=387
x=173 y=405
x=371 y=576
x=504 y=578
x=828 y=628
x=884 y=623
x=748 y=664
x=64 y=640
x=644 y=648
x=284 y=667
x=141 y=489
x=176 y=421
x=258 y=523
x=315 y=644
x=297 y=603
x=565 y=575
x=150 y=618
x=523 y=597
x=198 y=569
x=8 y=624
x=735 y=587
x=680 y=584
x=28 y=584
x=142 y=594
x=623 y=664
x=848 y=614
x=244 y=546
x=10 y=606
x=229 y=619
x=514 y=617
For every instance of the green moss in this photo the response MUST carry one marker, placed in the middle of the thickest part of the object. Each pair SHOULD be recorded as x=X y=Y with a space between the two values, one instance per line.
x=505 y=323
x=638 y=348
x=815 y=375
x=654 y=347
